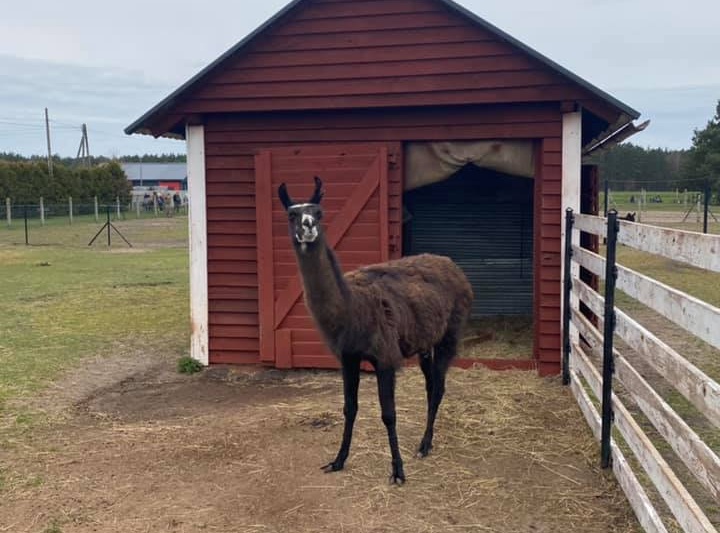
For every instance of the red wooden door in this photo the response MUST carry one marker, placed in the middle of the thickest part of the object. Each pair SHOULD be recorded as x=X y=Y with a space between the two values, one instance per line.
x=357 y=226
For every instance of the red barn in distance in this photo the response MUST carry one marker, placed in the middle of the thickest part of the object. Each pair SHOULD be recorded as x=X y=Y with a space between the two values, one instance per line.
x=433 y=130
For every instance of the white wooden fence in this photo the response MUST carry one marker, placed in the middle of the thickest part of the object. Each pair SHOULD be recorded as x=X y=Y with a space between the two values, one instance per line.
x=588 y=348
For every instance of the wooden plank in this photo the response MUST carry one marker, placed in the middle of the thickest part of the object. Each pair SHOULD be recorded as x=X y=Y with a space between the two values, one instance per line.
x=372 y=38
x=337 y=55
x=685 y=509
x=384 y=208
x=386 y=69
x=266 y=289
x=362 y=23
x=591 y=224
x=689 y=247
x=392 y=132
x=283 y=343
x=696 y=386
x=366 y=83
x=643 y=508
x=689 y=447
x=198 y=228
x=694 y=315
x=495 y=95
x=517 y=113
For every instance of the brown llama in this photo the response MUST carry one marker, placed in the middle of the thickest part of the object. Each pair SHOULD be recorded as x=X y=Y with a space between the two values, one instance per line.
x=382 y=314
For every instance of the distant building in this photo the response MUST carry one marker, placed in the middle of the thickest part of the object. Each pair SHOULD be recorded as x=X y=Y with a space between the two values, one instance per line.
x=151 y=176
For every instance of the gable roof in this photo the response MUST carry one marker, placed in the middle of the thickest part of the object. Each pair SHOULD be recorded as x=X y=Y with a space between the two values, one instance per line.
x=141 y=124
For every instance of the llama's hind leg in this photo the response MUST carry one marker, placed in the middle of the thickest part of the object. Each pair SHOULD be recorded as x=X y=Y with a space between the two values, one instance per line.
x=386 y=392
x=426 y=367
x=443 y=354
x=351 y=382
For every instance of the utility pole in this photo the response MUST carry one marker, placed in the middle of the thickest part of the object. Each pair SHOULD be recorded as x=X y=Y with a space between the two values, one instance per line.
x=47 y=132
x=84 y=148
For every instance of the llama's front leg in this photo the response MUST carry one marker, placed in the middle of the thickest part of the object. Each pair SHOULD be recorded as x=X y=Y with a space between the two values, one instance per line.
x=351 y=381
x=386 y=393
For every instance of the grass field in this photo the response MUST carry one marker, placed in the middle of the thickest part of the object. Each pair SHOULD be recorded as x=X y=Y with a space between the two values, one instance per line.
x=671 y=201
x=65 y=302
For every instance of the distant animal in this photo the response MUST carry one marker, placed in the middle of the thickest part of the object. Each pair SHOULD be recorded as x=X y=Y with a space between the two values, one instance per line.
x=630 y=217
x=382 y=314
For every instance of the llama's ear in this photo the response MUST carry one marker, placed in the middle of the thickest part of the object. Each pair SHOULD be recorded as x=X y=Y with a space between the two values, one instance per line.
x=284 y=197
x=318 y=194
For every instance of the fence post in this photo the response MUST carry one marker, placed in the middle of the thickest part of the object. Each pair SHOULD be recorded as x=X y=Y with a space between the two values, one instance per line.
x=155 y=204
x=607 y=195
x=609 y=329
x=97 y=215
x=707 y=205
x=117 y=203
x=8 y=211
x=42 y=211
x=27 y=241
x=137 y=207
x=70 y=209
x=567 y=289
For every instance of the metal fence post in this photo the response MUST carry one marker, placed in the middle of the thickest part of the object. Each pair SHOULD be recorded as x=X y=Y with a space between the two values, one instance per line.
x=117 y=203
x=613 y=227
x=27 y=242
x=42 y=211
x=97 y=215
x=70 y=209
x=607 y=194
x=567 y=289
x=707 y=205
x=8 y=211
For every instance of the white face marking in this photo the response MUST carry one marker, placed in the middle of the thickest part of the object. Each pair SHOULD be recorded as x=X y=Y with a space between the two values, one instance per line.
x=309 y=230
x=300 y=205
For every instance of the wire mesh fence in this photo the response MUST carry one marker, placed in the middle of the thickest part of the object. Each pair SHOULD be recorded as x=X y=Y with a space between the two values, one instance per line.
x=77 y=224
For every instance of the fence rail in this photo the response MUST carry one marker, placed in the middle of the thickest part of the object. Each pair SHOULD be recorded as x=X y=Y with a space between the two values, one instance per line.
x=695 y=316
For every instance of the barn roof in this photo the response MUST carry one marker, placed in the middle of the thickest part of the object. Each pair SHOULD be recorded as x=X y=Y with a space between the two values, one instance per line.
x=142 y=125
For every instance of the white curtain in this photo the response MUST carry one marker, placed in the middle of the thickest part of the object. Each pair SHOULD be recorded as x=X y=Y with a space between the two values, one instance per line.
x=430 y=162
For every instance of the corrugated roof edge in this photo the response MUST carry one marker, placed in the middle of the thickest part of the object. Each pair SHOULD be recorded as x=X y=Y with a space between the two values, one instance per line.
x=136 y=127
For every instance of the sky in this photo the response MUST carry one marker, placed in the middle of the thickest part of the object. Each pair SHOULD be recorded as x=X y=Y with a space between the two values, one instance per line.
x=106 y=63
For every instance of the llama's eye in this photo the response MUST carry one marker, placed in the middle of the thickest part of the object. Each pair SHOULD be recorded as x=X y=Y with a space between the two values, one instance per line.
x=319 y=215
x=292 y=215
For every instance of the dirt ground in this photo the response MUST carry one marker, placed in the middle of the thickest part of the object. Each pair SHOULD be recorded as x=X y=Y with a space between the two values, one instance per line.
x=240 y=450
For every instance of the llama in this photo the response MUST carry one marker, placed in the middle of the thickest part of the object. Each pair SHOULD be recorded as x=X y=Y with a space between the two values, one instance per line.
x=630 y=217
x=382 y=314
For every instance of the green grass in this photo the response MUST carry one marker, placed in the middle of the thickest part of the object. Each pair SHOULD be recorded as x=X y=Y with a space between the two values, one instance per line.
x=188 y=365
x=61 y=304
x=670 y=201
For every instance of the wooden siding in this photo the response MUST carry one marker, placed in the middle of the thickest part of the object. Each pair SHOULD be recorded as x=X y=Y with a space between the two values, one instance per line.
x=548 y=220
x=233 y=140
x=371 y=53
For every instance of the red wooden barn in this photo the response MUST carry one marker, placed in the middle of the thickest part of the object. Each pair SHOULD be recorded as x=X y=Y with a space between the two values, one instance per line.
x=433 y=130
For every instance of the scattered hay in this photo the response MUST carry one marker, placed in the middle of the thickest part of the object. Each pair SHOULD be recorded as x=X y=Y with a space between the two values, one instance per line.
x=512 y=453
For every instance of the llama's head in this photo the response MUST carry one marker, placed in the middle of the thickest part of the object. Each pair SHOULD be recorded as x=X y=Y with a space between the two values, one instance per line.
x=303 y=218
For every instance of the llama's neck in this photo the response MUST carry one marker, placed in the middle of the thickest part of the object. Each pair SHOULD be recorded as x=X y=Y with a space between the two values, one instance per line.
x=326 y=293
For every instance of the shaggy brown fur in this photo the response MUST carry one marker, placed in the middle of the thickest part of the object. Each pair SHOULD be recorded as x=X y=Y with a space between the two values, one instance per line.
x=401 y=308
x=380 y=313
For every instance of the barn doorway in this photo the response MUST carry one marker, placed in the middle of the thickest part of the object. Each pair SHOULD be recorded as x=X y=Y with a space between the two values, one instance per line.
x=483 y=220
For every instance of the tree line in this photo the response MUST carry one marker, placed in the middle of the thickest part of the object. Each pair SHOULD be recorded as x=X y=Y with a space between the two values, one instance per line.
x=628 y=167
x=95 y=160
x=25 y=181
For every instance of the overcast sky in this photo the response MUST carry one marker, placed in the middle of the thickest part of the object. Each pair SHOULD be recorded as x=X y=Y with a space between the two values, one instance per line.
x=106 y=63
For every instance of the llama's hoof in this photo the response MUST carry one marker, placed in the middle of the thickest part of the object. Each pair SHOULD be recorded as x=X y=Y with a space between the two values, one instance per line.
x=332 y=467
x=424 y=449
x=397 y=479
x=398 y=475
